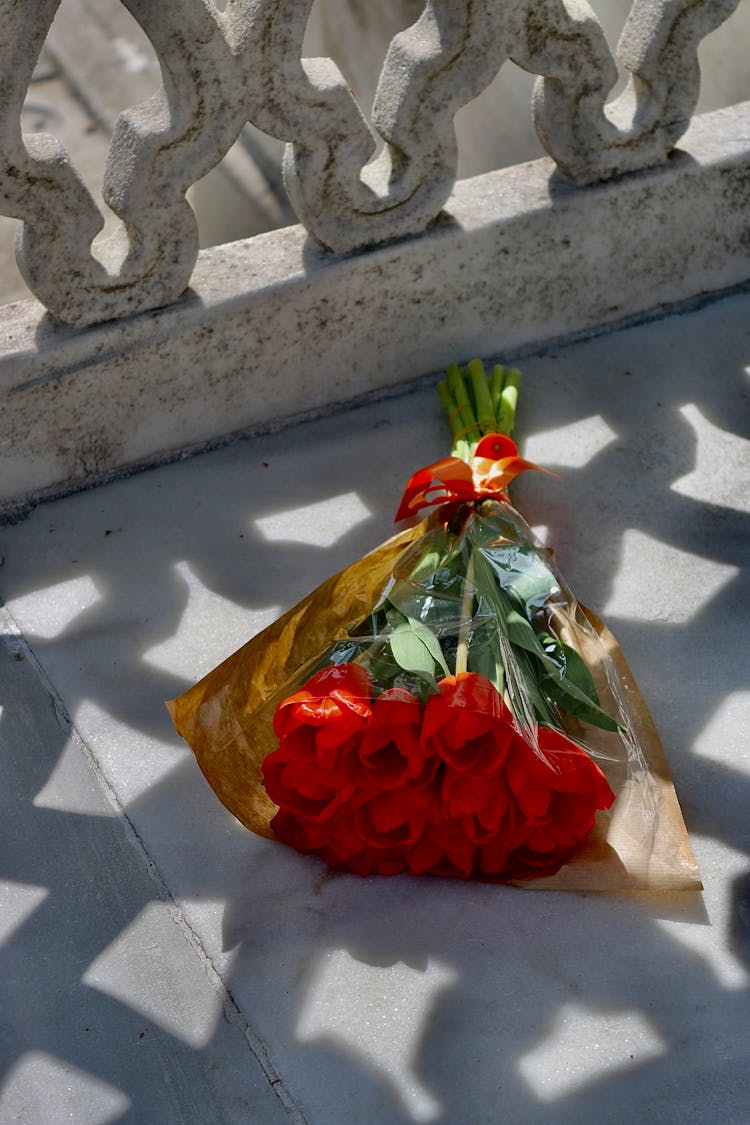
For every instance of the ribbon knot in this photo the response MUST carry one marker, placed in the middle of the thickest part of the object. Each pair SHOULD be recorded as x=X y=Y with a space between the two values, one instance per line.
x=493 y=466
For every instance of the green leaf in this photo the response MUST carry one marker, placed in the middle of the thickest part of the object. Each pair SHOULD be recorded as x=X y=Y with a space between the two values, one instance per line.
x=430 y=605
x=576 y=703
x=577 y=671
x=428 y=564
x=524 y=679
x=522 y=672
x=382 y=667
x=415 y=648
x=522 y=574
x=486 y=659
x=552 y=678
x=489 y=593
x=564 y=690
x=521 y=633
x=422 y=686
x=573 y=686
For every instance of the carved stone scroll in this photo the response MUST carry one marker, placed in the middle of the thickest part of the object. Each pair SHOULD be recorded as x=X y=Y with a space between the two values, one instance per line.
x=158 y=149
x=442 y=62
x=658 y=48
x=223 y=68
x=432 y=69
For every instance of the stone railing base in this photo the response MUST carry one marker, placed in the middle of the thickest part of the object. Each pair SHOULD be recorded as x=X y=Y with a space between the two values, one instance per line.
x=273 y=330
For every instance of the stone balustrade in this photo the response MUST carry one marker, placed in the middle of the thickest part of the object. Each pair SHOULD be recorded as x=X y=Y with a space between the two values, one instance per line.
x=353 y=183
x=394 y=270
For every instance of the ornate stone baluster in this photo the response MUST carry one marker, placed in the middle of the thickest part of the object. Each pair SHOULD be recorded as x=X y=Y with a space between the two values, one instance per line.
x=308 y=103
x=158 y=149
x=659 y=49
x=431 y=70
x=221 y=69
x=38 y=184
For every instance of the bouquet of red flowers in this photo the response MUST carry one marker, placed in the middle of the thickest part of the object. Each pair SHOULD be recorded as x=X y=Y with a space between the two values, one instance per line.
x=445 y=706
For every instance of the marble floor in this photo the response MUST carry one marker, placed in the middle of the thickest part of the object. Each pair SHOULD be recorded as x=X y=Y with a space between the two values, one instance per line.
x=159 y=964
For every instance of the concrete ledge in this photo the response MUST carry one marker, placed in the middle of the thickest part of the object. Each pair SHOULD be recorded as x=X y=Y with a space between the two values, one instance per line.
x=273 y=329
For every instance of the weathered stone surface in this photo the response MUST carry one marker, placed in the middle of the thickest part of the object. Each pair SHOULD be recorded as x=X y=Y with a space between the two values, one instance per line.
x=51 y=107
x=659 y=51
x=222 y=68
x=384 y=1001
x=274 y=329
x=496 y=129
x=108 y=60
x=108 y=1006
x=158 y=150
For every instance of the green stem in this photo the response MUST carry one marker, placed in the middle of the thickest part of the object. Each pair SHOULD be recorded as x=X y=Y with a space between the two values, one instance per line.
x=466 y=612
x=509 y=401
x=478 y=404
x=469 y=427
x=496 y=390
x=485 y=413
x=460 y=444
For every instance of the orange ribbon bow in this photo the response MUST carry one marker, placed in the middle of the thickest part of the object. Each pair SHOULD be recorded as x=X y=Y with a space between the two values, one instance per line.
x=493 y=467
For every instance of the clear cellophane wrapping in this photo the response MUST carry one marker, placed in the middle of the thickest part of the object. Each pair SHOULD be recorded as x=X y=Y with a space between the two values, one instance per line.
x=475 y=576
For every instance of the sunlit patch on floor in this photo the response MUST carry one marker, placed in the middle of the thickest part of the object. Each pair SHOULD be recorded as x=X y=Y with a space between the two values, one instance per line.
x=317 y=525
x=146 y=963
x=211 y=628
x=42 y=1088
x=724 y=738
x=71 y=787
x=48 y=612
x=711 y=480
x=557 y=1066
x=132 y=760
x=636 y=598
x=18 y=901
x=729 y=970
x=381 y=1015
x=575 y=445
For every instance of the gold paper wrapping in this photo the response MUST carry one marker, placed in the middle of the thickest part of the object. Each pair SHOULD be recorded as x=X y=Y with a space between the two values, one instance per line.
x=640 y=844
x=227 y=717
